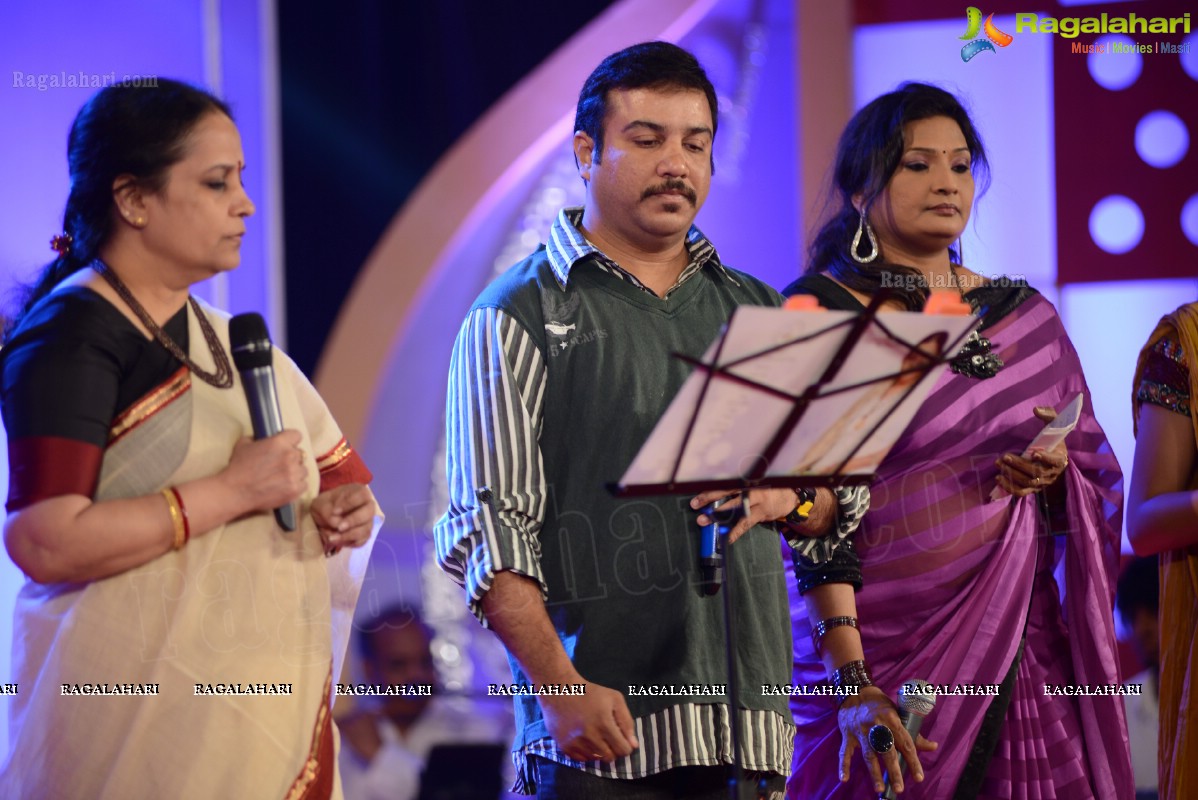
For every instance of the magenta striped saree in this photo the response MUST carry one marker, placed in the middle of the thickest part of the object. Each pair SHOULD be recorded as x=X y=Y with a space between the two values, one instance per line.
x=950 y=578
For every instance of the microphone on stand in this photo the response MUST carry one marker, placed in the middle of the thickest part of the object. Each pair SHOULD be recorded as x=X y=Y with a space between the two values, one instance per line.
x=915 y=701
x=711 y=545
x=711 y=553
x=250 y=343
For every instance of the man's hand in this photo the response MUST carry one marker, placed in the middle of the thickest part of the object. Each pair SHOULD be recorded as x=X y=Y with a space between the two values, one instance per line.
x=595 y=726
x=769 y=505
x=361 y=732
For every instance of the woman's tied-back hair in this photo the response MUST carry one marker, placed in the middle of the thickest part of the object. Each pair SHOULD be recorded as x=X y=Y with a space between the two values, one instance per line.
x=650 y=65
x=124 y=129
x=868 y=155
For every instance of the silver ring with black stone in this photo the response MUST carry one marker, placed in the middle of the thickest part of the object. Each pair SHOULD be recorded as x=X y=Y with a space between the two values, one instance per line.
x=881 y=739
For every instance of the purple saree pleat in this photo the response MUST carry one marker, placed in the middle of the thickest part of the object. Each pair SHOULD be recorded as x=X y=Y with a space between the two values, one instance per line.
x=949 y=577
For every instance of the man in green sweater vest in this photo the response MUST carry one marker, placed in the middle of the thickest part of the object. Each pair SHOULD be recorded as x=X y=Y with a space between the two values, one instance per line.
x=560 y=372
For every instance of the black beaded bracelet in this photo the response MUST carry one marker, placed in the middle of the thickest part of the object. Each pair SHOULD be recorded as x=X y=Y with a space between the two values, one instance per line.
x=828 y=624
x=854 y=673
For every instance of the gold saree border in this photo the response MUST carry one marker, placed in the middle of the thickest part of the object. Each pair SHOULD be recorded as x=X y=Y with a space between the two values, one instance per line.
x=150 y=404
x=333 y=458
x=306 y=781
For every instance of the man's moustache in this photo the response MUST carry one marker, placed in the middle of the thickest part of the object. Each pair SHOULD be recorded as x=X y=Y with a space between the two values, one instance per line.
x=672 y=186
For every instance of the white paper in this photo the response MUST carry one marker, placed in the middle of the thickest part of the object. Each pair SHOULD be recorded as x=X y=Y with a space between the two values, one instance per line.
x=1052 y=434
x=735 y=422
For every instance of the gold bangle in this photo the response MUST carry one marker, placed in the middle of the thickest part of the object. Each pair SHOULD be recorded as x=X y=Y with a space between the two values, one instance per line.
x=183 y=514
x=172 y=503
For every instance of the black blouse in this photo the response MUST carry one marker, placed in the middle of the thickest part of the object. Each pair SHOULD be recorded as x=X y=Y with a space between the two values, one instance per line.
x=73 y=364
x=998 y=299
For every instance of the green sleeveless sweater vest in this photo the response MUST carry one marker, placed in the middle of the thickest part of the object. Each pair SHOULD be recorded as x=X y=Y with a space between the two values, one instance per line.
x=623 y=574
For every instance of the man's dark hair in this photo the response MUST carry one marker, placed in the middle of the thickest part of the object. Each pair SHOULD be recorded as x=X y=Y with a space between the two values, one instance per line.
x=399 y=615
x=1139 y=587
x=649 y=65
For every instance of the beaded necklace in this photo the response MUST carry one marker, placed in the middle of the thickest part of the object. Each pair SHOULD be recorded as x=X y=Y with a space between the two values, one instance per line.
x=222 y=378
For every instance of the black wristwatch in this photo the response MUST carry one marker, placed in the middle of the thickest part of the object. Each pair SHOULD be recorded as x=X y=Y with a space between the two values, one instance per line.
x=802 y=509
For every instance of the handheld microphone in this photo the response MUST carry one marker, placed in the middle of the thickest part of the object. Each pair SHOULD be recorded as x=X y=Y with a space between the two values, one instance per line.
x=915 y=701
x=712 y=540
x=250 y=343
x=711 y=554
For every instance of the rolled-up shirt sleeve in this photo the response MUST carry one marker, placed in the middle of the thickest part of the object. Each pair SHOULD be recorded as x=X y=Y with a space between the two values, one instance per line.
x=493 y=459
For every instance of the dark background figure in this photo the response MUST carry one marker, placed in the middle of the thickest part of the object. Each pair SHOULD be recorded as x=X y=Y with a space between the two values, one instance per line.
x=386 y=745
x=1137 y=598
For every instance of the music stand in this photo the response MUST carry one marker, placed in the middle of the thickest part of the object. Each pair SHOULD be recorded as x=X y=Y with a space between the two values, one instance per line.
x=738 y=422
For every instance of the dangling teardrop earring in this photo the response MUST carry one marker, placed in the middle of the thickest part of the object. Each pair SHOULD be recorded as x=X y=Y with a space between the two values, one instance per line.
x=864 y=227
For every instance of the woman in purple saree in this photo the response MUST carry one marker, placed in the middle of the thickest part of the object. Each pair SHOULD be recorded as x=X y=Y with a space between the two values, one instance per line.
x=1004 y=605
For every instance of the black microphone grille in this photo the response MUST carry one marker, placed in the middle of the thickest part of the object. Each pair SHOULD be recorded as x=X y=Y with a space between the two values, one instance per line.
x=250 y=341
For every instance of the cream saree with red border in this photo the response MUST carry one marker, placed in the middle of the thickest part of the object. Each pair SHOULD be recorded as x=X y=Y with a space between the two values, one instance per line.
x=245 y=604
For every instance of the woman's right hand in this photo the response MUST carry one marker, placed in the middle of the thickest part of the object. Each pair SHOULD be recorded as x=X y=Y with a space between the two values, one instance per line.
x=857 y=715
x=267 y=473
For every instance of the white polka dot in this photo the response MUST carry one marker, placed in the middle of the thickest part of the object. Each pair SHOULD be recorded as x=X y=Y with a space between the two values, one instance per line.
x=1189 y=56
x=1116 y=224
x=1189 y=219
x=1111 y=70
x=1161 y=138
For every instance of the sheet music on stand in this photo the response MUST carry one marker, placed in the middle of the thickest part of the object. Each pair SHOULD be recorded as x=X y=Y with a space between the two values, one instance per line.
x=796 y=398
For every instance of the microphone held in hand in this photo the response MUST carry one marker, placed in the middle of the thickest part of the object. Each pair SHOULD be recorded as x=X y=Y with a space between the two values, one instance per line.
x=713 y=540
x=915 y=701
x=711 y=552
x=250 y=343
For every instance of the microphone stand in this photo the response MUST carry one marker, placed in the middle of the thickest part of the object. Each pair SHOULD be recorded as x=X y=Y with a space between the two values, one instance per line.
x=736 y=784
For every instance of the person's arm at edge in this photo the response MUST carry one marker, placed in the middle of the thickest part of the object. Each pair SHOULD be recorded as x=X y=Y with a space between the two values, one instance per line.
x=1162 y=512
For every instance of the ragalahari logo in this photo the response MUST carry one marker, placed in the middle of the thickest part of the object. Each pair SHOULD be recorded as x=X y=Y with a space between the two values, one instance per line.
x=973 y=15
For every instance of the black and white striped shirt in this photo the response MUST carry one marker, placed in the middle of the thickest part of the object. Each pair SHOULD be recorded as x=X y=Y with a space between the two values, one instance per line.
x=496 y=390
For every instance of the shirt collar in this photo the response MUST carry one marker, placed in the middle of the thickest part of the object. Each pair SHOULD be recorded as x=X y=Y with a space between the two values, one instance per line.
x=567 y=246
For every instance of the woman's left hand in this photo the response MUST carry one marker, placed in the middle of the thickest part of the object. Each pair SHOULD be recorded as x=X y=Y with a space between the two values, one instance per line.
x=1023 y=476
x=344 y=516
